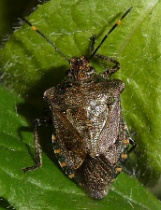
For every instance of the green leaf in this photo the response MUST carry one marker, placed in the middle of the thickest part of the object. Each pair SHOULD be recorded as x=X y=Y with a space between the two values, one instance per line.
x=29 y=65
x=47 y=187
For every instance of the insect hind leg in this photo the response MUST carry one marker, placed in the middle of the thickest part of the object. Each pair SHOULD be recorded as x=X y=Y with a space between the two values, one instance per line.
x=38 y=159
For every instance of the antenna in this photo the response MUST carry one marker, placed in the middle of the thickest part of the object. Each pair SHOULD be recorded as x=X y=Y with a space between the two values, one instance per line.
x=48 y=40
x=113 y=27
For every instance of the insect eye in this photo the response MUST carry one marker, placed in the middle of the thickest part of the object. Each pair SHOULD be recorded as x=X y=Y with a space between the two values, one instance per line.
x=73 y=60
x=83 y=58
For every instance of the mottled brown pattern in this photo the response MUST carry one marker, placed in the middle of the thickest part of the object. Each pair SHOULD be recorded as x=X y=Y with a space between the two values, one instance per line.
x=87 y=119
x=89 y=139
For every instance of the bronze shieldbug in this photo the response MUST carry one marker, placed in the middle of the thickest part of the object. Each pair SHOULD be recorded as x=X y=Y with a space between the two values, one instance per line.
x=90 y=139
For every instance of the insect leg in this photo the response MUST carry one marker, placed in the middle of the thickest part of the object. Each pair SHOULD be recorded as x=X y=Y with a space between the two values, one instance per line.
x=113 y=69
x=132 y=142
x=110 y=71
x=92 y=43
x=38 y=162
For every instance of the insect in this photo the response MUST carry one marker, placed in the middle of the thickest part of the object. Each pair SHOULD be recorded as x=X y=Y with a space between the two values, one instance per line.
x=90 y=139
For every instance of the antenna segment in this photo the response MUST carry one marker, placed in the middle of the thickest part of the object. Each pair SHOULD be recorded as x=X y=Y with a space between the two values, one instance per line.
x=48 y=40
x=113 y=27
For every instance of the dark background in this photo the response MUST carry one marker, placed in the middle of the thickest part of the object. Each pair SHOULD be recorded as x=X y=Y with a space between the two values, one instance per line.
x=11 y=11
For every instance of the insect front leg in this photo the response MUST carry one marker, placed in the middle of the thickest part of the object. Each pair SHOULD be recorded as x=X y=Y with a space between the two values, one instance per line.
x=38 y=160
x=113 y=69
x=110 y=71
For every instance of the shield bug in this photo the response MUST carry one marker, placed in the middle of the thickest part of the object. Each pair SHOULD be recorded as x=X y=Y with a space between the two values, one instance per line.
x=90 y=139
